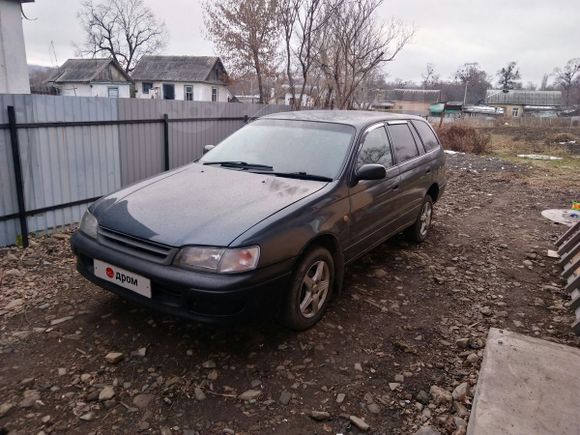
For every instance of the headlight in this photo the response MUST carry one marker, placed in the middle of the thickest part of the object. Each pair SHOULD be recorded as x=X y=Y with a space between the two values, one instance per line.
x=220 y=260
x=89 y=225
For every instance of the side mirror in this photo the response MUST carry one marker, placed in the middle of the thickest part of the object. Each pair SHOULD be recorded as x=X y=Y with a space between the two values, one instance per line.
x=371 y=171
x=208 y=148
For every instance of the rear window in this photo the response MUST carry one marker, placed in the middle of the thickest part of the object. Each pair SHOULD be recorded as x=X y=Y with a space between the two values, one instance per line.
x=403 y=142
x=427 y=136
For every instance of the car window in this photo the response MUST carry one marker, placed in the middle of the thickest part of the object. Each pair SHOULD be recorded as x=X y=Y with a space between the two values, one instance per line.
x=375 y=149
x=317 y=148
x=427 y=136
x=417 y=140
x=403 y=142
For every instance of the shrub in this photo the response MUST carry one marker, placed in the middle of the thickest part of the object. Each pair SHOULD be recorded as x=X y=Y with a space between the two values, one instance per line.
x=463 y=138
x=561 y=137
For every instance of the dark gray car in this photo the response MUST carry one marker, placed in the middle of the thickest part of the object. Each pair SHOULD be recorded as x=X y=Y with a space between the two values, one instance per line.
x=268 y=219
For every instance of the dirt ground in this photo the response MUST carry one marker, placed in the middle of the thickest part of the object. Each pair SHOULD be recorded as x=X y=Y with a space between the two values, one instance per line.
x=400 y=348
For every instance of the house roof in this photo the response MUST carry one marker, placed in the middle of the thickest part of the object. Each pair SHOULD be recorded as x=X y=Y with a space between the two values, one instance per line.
x=88 y=70
x=521 y=97
x=421 y=95
x=176 y=68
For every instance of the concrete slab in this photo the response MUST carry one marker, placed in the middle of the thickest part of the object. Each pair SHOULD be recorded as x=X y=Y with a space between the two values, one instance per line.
x=526 y=386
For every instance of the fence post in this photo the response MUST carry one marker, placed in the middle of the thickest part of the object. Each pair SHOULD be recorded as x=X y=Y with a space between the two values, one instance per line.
x=166 y=140
x=18 y=174
x=246 y=118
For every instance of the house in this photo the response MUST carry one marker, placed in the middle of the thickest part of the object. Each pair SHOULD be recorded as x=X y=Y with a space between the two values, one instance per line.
x=13 y=67
x=189 y=78
x=282 y=94
x=92 y=78
x=518 y=103
x=413 y=101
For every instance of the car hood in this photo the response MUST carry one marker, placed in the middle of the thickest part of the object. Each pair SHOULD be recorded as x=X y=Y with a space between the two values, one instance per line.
x=199 y=205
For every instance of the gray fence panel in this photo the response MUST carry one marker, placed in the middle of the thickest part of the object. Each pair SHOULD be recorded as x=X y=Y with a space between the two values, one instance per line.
x=141 y=145
x=59 y=164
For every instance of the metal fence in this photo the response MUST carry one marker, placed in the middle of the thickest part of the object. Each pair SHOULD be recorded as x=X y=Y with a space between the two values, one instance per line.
x=58 y=154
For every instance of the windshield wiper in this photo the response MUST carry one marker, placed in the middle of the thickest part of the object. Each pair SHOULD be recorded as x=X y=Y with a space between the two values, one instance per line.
x=297 y=175
x=239 y=164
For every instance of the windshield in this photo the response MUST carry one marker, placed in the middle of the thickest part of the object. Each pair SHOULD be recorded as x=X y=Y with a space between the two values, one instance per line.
x=313 y=148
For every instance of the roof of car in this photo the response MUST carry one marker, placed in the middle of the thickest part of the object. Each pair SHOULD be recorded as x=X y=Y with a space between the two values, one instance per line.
x=356 y=118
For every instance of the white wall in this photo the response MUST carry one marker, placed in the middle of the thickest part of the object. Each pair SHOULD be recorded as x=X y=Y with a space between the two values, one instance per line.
x=94 y=90
x=201 y=91
x=13 y=66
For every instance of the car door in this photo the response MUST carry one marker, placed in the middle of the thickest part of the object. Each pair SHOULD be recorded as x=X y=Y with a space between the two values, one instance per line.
x=412 y=171
x=372 y=210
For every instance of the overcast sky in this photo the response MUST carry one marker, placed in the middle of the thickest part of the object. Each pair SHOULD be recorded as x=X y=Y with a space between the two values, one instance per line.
x=538 y=34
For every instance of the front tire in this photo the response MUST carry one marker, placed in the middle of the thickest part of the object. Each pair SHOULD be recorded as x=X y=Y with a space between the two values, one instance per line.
x=420 y=229
x=309 y=294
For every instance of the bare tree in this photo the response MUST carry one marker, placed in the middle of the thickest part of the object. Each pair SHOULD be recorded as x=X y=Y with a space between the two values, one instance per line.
x=544 y=85
x=304 y=22
x=245 y=32
x=354 y=44
x=429 y=76
x=125 y=30
x=568 y=77
x=473 y=80
x=508 y=76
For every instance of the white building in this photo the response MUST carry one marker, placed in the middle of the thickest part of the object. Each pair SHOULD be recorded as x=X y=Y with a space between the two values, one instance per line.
x=189 y=78
x=92 y=78
x=13 y=67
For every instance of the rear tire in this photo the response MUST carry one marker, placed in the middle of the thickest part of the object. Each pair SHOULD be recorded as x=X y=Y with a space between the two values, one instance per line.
x=310 y=291
x=420 y=229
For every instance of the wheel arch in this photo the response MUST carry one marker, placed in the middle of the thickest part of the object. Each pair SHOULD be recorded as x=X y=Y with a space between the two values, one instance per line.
x=329 y=242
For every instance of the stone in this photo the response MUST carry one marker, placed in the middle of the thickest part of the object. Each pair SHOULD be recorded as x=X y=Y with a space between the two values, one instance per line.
x=462 y=343
x=106 y=393
x=61 y=371
x=114 y=357
x=30 y=398
x=528 y=263
x=142 y=401
x=199 y=394
x=427 y=430
x=340 y=398
x=472 y=358
x=486 y=311
x=380 y=273
x=423 y=397
x=285 y=397
x=45 y=419
x=440 y=395
x=209 y=365
x=250 y=395
x=319 y=415
x=142 y=351
x=359 y=423
x=55 y=322
x=400 y=379
x=374 y=408
x=460 y=392
x=85 y=377
x=358 y=367
x=394 y=385
x=212 y=375
x=89 y=416
x=5 y=408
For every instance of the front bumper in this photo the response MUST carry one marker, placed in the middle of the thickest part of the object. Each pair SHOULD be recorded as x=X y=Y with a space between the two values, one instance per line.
x=206 y=297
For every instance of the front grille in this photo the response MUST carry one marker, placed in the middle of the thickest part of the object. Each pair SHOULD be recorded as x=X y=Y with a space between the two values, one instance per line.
x=145 y=249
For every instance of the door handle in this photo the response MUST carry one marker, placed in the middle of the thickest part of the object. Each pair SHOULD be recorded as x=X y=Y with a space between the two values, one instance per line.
x=428 y=171
x=396 y=187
